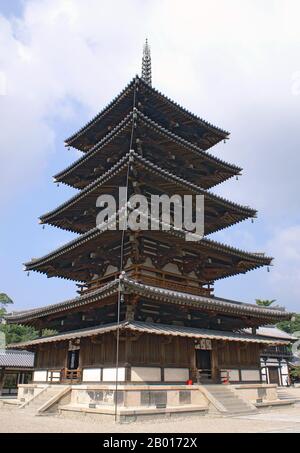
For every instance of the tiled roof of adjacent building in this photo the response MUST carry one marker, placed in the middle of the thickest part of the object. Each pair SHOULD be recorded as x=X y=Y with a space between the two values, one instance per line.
x=10 y=358
x=273 y=332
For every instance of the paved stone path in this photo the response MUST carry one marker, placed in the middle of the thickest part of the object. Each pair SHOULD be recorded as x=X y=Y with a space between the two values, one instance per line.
x=13 y=420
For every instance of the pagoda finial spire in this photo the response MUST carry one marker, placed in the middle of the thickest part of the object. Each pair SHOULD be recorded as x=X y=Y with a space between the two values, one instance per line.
x=146 y=64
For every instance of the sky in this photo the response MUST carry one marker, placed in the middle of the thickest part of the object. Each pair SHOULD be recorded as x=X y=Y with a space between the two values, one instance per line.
x=235 y=64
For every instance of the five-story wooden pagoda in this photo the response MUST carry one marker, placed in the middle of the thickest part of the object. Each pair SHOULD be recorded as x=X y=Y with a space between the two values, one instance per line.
x=167 y=325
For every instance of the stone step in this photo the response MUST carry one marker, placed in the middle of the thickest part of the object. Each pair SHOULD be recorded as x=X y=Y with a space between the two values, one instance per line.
x=286 y=395
x=33 y=406
x=227 y=396
x=233 y=404
x=232 y=409
x=240 y=413
x=233 y=401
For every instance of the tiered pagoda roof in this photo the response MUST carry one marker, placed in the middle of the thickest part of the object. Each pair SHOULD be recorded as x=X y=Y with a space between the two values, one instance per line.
x=94 y=250
x=78 y=214
x=223 y=306
x=180 y=156
x=155 y=329
x=150 y=144
x=156 y=106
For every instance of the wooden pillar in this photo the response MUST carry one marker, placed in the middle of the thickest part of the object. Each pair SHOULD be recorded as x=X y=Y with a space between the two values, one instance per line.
x=215 y=372
x=128 y=358
x=131 y=308
x=128 y=342
x=39 y=328
x=2 y=371
x=193 y=365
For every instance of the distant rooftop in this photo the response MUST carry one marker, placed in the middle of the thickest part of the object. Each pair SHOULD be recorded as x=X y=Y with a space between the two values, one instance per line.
x=16 y=359
x=273 y=332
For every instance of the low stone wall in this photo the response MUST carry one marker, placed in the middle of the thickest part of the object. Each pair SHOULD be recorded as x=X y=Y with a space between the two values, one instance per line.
x=257 y=392
x=135 y=401
x=28 y=391
x=137 y=395
x=140 y=401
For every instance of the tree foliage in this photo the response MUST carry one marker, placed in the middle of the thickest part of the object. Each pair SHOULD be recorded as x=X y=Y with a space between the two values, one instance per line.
x=264 y=302
x=48 y=332
x=295 y=372
x=4 y=299
x=16 y=333
x=290 y=326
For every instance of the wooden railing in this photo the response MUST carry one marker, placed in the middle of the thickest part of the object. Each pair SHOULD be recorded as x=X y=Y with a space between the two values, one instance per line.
x=54 y=376
x=97 y=283
x=154 y=277
x=181 y=286
x=70 y=376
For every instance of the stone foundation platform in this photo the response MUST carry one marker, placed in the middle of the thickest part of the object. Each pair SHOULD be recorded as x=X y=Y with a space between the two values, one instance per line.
x=138 y=402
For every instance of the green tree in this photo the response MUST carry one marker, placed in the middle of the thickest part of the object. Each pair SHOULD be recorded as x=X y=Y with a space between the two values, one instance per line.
x=16 y=333
x=264 y=302
x=295 y=373
x=290 y=326
x=49 y=332
x=4 y=300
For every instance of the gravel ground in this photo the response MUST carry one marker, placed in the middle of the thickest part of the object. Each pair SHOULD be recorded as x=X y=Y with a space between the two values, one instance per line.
x=13 y=420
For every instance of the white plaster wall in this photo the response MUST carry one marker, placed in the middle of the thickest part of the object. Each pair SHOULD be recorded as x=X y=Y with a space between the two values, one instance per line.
x=234 y=375
x=128 y=263
x=91 y=375
x=273 y=362
x=171 y=267
x=110 y=269
x=40 y=376
x=176 y=374
x=55 y=377
x=148 y=262
x=109 y=374
x=192 y=274
x=145 y=374
x=250 y=375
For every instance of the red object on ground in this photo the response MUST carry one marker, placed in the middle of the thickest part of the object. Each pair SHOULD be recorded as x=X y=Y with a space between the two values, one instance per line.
x=189 y=382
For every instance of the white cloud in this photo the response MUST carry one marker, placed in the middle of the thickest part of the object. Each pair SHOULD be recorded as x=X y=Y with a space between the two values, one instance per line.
x=285 y=276
x=58 y=53
x=218 y=59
